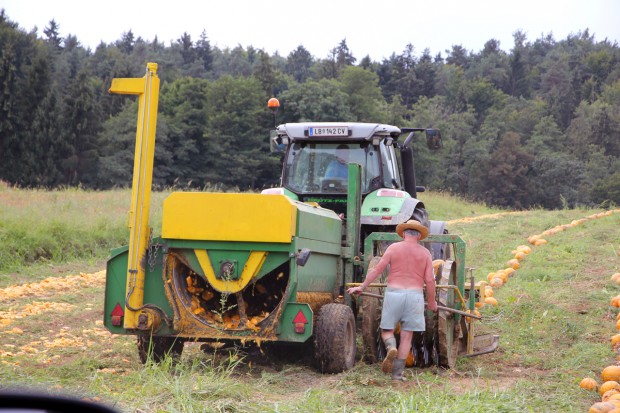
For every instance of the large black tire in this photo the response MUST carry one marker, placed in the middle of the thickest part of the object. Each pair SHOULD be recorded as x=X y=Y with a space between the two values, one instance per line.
x=374 y=349
x=157 y=348
x=448 y=331
x=334 y=338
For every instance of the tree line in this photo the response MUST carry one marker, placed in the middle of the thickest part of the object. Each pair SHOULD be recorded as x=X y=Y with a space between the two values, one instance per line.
x=538 y=125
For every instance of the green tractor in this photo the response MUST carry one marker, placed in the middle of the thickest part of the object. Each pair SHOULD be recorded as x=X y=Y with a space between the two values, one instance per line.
x=271 y=268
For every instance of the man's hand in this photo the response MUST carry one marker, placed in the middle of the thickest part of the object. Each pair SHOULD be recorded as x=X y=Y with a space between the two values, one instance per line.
x=355 y=290
x=432 y=305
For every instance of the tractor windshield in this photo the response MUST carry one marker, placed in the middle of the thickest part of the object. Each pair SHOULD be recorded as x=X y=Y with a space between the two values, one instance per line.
x=322 y=167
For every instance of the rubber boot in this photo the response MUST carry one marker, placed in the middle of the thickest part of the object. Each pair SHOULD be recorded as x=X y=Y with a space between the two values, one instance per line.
x=392 y=353
x=397 y=371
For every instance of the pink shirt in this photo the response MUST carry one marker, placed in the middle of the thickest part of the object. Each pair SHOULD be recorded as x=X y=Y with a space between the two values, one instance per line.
x=411 y=267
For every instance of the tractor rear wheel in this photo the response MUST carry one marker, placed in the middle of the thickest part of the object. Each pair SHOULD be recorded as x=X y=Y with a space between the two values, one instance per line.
x=157 y=348
x=448 y=331
x=334 y=338
x=374 y=349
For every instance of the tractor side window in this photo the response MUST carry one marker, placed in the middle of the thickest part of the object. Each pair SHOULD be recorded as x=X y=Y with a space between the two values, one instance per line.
x=298 y=168
x=391 y=178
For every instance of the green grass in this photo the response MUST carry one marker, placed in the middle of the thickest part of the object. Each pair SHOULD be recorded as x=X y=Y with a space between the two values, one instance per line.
x=444 y=207
x=55 y=228
x=555 y=322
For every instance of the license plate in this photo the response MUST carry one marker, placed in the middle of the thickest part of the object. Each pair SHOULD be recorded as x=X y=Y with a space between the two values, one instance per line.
x=329 y=131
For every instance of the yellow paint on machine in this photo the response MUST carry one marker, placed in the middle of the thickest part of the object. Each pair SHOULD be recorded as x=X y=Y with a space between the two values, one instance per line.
x=229 y=217
x=250 y=270
x=147 y=88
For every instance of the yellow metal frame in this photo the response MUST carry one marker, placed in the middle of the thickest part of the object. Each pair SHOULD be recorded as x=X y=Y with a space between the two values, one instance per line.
x=229 y=217
x=147 y=88
x=250 y=270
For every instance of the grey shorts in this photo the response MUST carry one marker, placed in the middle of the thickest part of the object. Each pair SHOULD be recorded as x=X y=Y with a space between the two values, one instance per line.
x=406 y=306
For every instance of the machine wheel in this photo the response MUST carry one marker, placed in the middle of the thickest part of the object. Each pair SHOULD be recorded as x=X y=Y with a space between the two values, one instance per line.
x=448 y=331
x=334 y=338
x=374 y=349
x=156 y=348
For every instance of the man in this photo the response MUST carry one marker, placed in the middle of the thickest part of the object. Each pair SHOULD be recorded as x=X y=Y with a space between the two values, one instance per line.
x=411 y=267
x=338 y=168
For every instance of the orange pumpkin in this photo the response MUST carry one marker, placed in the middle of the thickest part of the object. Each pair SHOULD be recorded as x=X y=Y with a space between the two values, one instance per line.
x=497 y=282
x=520 y=255
x=588 y=383
x=488 y=291
x=524 y=248
x=611 y=373
x=608 y=385
x=609 y=393
x=601 y=407
x=410 y=360
x=490 y=300
x=501 y=274
x=514 y=263
x=615 y=339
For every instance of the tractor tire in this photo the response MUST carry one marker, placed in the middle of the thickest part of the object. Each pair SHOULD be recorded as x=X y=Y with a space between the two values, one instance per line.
x=374 y=349
x=334 y=338
x=448 y=331
x=157 y=348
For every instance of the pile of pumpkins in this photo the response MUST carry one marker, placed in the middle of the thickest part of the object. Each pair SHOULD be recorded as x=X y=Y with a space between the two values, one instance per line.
x=500 y=277
x=610 y=388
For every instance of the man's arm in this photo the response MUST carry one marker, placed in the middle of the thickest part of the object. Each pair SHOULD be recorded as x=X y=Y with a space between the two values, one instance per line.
x=372 y=274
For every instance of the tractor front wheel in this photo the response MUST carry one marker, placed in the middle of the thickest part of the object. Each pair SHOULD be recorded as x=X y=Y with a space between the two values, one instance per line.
x=334 y=338
x=157 y=348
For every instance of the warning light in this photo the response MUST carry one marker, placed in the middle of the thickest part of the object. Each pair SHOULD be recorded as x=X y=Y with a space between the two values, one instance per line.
x=273 y=103
x=300 y=322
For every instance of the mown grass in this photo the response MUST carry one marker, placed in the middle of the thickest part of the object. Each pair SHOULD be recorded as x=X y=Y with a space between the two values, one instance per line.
x=554 y=322
x=442 y=206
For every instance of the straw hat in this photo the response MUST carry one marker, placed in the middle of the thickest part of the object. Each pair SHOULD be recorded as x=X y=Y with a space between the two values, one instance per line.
x=412 y=224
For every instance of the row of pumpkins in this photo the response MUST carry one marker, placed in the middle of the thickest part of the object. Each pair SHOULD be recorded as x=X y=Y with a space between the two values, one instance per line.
x=610 y=388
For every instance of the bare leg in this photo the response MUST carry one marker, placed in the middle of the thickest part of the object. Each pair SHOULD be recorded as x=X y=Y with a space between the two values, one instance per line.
x=385 y=334
x=405 y=344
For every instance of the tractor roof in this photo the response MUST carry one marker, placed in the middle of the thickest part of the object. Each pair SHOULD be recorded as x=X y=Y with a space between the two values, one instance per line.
x=330 y=131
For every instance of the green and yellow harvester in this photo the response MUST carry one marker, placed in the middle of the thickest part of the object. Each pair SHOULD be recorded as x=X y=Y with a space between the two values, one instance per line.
x=272 y=268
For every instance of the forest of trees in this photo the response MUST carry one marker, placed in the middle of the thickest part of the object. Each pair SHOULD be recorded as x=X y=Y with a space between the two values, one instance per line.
x=536 y=126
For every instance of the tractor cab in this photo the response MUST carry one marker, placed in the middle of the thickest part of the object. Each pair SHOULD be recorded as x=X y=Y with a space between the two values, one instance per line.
x=316 y=157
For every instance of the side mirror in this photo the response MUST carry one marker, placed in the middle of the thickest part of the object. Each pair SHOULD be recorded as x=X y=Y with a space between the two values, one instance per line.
x=433 y=139
x=277 y=143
